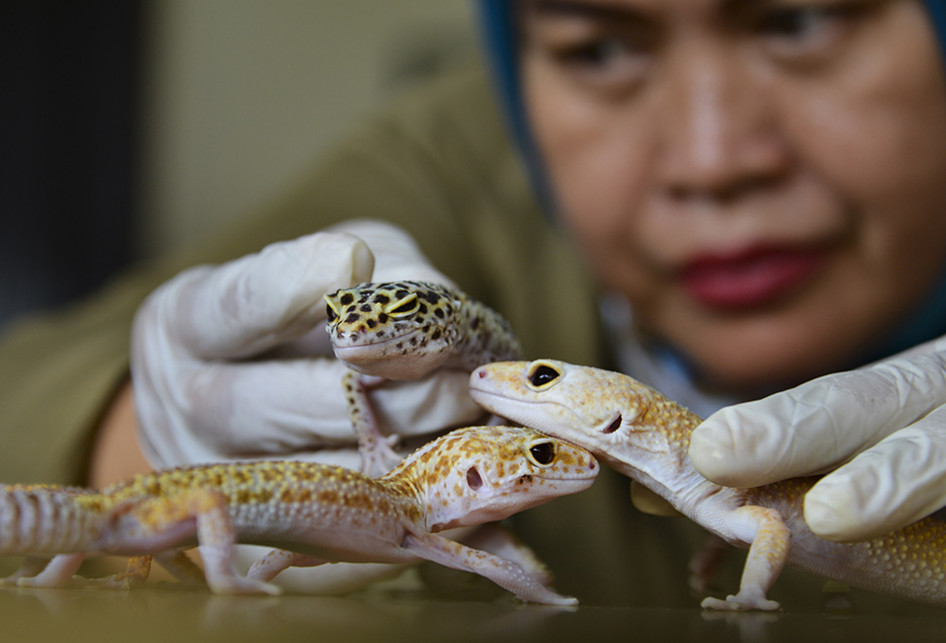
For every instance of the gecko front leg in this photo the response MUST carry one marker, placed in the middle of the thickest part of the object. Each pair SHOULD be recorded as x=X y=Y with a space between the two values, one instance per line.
x=504 y=573
x=376 y=450
x=767 y=555
x=496 y=539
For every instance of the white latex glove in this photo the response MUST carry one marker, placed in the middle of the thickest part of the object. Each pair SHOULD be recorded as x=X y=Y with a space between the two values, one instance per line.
x=233 y=361
x=885 y=424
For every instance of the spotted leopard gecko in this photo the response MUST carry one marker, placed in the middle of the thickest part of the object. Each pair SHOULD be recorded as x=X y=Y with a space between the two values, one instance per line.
x=645 y=436
x=404 y=330
x=311 y=513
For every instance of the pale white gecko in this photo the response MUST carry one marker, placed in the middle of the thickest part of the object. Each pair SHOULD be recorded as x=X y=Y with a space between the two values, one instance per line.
x=311 y=513
x=645 y=436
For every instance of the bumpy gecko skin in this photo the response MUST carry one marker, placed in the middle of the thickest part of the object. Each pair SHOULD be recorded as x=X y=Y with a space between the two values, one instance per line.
x=312 y=513
x=645 y=436
x=404 y=330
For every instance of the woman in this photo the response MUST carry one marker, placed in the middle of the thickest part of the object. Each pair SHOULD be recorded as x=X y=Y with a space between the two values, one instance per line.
x=749 y=192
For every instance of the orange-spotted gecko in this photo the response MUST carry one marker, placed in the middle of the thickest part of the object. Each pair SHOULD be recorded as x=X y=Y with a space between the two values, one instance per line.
x=646 y=436
x=311 y=514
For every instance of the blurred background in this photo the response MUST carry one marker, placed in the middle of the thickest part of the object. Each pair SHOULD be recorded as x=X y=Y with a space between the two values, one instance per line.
x=130 y=128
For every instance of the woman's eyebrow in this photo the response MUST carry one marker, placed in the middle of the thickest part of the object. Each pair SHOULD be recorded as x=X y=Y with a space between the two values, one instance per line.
x=594 y=10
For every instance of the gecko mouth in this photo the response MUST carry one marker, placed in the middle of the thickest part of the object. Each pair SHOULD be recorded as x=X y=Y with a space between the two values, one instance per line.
x=364 y=347
x=482 y=397
x=370 y=338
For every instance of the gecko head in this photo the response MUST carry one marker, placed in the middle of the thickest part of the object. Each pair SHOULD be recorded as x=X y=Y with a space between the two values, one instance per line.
x=482 y=474
x=590 y=407
x=373 y=326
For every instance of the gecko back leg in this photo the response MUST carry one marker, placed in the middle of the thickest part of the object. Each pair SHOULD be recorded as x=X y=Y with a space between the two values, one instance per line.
x=45 y=571
x=278 y=560
x=168 y=523
x=767 y=555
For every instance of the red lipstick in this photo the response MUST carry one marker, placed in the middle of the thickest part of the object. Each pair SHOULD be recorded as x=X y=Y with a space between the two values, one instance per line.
x=751 y=277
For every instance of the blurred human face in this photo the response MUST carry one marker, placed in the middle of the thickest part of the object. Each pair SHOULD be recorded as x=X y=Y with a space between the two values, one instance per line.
x=764 y=180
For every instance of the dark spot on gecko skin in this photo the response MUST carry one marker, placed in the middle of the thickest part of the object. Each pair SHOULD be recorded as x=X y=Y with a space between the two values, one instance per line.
x=436 y=335
x=366 y=308
x=352 y=318
x=372 y=324
x=346 y=299
x=439 y=312
x=381 y=298
x=475 y=324
x=383 y=318
x=401 y=294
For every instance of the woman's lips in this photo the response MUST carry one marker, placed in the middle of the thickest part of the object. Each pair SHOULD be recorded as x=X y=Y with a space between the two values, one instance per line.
x=750 y=277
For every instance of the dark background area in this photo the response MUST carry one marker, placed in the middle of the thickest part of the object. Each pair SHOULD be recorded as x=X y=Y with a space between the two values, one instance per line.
x=69 y=121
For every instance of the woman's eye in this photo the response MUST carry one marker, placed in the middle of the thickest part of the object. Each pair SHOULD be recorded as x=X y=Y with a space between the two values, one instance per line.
x=792 y=22
x=596 y=53
x=806 y=29
x=605 y=61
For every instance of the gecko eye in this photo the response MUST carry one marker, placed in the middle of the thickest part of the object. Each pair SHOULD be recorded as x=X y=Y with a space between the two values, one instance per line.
x=403 y=307
x=542 y=453
x=330 y=311
x=542 y=375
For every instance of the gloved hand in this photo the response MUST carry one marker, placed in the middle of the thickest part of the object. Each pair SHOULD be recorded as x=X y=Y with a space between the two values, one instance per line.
x=233 y=361
x=880 y=430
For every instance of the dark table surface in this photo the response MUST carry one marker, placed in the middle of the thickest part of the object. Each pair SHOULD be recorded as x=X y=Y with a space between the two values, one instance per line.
x=173 y=614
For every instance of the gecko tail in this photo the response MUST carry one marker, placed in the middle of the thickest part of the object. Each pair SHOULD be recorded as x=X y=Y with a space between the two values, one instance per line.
x=46 y=519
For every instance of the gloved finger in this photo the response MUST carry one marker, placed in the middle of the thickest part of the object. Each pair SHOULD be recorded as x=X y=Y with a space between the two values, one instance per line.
x=898 y=481
x=817 y=425
x=422 y=407
x=247 y=409
x=259 y=301
x=396 y=255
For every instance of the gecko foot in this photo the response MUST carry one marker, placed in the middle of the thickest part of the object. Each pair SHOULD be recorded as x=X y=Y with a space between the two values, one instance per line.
x=378 y=455
x=739 y=603
x=240 y=585
x=544 y=595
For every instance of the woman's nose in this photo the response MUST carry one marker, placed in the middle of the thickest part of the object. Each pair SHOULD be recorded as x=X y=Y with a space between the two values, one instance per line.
x=719 y=131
